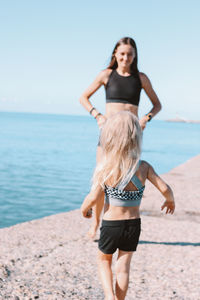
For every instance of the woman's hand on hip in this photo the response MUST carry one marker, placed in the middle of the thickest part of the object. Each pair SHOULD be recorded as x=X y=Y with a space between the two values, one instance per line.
x=101 y=119
x=143 y=121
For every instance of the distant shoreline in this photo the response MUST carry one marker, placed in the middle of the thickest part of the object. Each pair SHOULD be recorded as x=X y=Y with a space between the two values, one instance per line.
x=177 y=120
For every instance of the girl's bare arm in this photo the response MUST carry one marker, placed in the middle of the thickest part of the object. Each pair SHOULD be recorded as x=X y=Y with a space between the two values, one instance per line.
x=164 y=188
x=90 y=200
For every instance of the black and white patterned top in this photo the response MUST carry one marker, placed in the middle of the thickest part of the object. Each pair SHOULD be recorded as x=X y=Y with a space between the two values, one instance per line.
x=117 y=197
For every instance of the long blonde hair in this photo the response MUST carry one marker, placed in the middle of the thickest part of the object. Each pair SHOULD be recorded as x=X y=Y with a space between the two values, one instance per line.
x=121 y=139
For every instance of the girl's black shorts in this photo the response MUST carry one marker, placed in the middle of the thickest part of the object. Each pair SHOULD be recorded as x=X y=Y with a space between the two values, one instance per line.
x=119 y=234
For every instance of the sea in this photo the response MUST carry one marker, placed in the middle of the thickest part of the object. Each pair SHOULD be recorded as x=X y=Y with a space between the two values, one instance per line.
x=47 y=160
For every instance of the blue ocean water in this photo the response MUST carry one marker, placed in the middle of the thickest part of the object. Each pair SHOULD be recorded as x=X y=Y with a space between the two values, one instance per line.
x=46 y=161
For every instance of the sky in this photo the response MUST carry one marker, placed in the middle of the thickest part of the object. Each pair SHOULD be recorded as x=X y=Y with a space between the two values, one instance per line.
x=52 y=50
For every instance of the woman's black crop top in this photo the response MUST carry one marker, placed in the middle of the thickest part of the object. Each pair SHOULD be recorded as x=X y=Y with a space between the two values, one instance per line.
x=123 y=89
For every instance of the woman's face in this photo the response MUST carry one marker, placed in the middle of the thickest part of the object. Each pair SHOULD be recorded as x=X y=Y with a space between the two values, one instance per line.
x=125 y=55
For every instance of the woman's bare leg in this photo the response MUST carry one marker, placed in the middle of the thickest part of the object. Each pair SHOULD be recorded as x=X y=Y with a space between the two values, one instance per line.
x=105 y=273
x=122 y=268
x=97 y=209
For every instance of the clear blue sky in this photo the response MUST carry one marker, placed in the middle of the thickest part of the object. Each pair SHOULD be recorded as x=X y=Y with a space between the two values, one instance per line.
x=52 y=50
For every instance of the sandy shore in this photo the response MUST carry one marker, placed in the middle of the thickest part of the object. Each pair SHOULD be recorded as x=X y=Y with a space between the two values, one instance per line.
x=51 y=258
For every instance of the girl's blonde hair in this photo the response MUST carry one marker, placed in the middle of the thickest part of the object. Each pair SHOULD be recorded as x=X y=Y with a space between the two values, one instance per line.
x=121 y=139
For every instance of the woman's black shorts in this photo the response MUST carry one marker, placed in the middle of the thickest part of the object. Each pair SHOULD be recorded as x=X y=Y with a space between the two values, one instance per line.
x=119 y=234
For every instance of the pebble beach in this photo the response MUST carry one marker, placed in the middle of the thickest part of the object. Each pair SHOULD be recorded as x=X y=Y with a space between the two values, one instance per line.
x=52 y=258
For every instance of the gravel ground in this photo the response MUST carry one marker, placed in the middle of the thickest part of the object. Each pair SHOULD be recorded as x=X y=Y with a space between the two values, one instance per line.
x=52 y=258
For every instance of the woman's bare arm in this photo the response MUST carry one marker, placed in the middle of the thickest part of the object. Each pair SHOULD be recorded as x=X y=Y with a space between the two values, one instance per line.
x=147 y=86
x=93 y=87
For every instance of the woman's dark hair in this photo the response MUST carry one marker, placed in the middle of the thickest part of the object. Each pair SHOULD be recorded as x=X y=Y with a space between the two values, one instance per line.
x=124 y=41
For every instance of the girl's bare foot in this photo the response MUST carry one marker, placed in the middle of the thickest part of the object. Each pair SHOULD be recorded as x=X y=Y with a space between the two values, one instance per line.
x=110 y=297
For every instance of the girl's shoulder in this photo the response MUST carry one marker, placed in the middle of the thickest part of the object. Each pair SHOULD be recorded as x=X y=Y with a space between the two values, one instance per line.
x=143 y=171
x=144 y=163
x=144 y=166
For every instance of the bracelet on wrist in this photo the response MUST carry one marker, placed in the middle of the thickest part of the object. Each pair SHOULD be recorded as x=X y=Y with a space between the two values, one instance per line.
x=149 y=116
x=91 y=110
x=97 y=115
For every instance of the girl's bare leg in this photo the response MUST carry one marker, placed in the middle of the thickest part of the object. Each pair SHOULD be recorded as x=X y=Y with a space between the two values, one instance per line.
x=97 y=209
x=105 y=273
x=122 y=268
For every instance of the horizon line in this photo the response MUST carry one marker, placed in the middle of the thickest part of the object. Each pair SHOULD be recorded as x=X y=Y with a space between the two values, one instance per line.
x=176 y=119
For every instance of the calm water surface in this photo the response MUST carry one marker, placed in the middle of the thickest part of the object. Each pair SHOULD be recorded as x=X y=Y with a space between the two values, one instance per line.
x=46 y=161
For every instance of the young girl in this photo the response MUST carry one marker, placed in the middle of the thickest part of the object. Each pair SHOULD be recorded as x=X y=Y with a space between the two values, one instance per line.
x=121 y=176
x=123 y=84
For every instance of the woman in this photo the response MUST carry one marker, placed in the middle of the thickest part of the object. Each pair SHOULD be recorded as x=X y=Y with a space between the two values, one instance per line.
x=123 y=83
x=123 y=181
